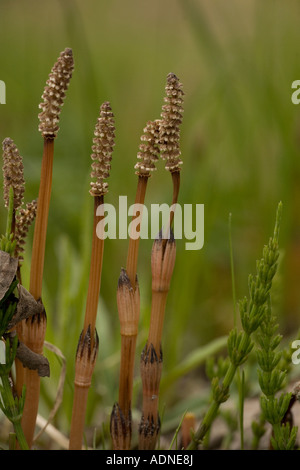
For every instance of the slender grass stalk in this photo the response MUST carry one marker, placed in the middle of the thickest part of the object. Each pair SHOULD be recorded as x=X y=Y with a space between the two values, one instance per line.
x=88 y=344
x=162 y=264
x=34 y=331
x=240 y=379
x=128 y=294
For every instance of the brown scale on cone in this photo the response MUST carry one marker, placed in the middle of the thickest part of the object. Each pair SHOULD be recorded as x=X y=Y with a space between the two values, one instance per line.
x=86 y=355
x=170 y=124
x=149 y=149
x=54 y=94
x=24 y=220
x=13 y=173
x=104 y=142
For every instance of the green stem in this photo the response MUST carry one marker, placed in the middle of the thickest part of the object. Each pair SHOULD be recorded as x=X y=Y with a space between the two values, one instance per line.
x=212 y=411
x=214 y=407
x=15 y=415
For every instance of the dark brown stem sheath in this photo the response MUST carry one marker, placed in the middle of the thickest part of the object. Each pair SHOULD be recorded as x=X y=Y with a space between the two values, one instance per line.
x=86 y=355
x=129 y=309
x=33 y=335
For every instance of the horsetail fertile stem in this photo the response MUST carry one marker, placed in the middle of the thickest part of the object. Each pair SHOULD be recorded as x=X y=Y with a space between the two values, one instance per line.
x=53 y=98
x=162 y=264
x=128 y=294
x=88 y=344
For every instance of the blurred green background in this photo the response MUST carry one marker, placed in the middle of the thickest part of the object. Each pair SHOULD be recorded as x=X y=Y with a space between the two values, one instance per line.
x=240 y=146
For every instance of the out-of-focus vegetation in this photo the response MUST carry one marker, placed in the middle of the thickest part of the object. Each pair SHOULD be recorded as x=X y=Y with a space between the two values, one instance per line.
x=240 y=147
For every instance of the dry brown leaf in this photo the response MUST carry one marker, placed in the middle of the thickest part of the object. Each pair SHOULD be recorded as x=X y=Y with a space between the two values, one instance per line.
x=8 y=269
x=26 y=307
x=32 y=360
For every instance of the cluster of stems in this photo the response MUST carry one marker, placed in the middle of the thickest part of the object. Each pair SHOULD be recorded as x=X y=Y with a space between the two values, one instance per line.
x=240 y=344
x=161 y=137
x=128 y=295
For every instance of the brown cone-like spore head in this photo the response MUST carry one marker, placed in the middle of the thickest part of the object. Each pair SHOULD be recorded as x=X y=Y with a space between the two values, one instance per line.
x=103 y=144
x=54 y=94
x=149 y=149
x=170 y=123
x=13 y=173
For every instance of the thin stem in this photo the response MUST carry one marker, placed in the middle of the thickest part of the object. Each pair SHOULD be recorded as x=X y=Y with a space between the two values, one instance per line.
x=133 y=248
x=40 y=231
x=232 y=270
x=128 y=346
x=158 y=306
x=31 y=377
x=176 y=187
x=212 y=411
x=95 y=273
x=78 y=417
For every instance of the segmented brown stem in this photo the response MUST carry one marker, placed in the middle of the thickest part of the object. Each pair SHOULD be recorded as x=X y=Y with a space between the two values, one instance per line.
x=162 y=264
